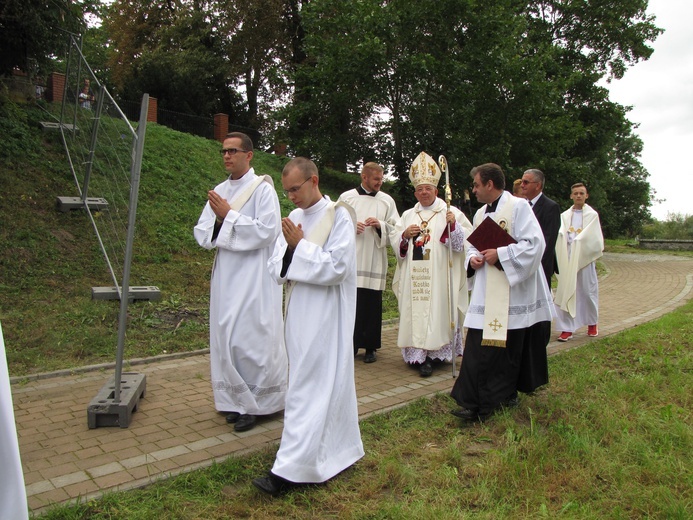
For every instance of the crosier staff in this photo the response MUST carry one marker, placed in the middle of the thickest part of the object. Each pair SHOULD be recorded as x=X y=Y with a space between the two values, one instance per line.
x=443 y=162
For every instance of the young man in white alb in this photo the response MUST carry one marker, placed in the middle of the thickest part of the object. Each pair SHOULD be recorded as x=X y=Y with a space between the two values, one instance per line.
x=580 y=243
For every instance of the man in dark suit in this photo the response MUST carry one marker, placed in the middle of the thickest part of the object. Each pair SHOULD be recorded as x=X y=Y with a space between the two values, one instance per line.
x=534 y=368
x=548 y=214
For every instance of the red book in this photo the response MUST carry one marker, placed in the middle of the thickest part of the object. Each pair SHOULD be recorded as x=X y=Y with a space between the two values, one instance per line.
x=489 y=235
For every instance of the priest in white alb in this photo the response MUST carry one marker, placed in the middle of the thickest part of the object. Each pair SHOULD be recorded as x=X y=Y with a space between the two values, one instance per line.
x=580 y=243
x=429 y=322
x=13 y=502
x=241 y=221
x=509 y=302
x=376 y=216
x=314 y=258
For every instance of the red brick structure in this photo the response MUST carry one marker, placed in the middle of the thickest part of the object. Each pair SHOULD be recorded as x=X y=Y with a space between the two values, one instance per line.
x=221 y=127
x=56 y=87
x=152 y=111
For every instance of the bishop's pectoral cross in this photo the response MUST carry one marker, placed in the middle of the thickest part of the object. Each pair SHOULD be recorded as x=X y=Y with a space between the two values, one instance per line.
x=495 y=325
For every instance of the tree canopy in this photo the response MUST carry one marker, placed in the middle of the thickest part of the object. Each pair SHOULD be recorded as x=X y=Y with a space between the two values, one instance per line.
x=506 y=81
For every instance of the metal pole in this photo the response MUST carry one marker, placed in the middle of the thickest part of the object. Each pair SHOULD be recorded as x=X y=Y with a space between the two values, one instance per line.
x=443 y=162
x=135 y=170
x=92 y=146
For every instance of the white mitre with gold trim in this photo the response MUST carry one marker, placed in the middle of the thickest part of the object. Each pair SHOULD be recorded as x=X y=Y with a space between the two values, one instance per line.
x=424 y=170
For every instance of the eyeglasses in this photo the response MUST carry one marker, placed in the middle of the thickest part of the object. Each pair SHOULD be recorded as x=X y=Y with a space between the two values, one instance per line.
x=295 y=188
x=232 y=151
x=525 y=182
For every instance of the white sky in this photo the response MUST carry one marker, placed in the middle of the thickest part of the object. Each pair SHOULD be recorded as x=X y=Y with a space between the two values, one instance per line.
x=660 y=90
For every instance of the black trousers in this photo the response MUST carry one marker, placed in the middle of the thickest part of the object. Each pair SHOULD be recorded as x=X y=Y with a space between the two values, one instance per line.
x=369 y=319
x=534 y=366
x=488 y=376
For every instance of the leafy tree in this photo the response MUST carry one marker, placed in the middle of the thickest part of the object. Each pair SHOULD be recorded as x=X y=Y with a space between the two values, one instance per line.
x=257 y=42
x=505 y=81
x=31 y=31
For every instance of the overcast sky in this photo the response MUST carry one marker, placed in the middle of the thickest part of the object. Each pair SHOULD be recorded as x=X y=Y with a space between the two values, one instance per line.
x=660 y=90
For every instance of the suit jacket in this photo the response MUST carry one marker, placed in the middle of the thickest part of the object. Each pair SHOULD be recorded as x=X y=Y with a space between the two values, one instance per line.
x=549 y=216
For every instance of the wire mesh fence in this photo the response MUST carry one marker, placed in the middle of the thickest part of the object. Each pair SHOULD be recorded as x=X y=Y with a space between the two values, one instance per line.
x=99 y=141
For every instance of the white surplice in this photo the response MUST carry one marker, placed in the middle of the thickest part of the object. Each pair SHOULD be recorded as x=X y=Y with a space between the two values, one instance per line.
x=321 y=434
x=371 y=247
x=423 y=286
x=580 y=243
x=530 y=298
x=13 y=503
x=248 y=358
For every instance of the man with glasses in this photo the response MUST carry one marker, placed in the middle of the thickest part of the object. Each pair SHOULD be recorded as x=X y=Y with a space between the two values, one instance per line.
x=376 y=215
x=427 y=238
x=241 y=221
x=535 y=364
x=315 y=259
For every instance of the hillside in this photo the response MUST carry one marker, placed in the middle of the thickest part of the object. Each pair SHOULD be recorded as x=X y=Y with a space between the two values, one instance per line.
x=49 y=261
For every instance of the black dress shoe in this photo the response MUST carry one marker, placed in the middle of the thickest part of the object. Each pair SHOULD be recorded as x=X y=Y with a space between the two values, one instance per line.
x=370 y=356
x=232 y=417
x=272 y=484
x=245 y=422
x=466 y=414
x=426 y=368
x=513 y=402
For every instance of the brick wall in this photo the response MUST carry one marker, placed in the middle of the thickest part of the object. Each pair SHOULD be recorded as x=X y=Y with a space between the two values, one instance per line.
x=221 y=127
x=56 y=87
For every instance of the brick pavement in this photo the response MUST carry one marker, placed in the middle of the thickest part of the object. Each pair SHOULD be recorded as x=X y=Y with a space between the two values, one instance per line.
x=176 y=428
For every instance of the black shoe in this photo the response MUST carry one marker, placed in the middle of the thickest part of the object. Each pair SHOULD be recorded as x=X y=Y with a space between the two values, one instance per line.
x=232 y=417
x=466 y=414
x=272 y=485
x=426 y=368
x=370 y=357
x=245 y=422
x=511 y=403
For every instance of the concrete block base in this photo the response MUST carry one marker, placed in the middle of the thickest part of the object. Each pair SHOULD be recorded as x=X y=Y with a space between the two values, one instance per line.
x=65 y=204
x=104 y=411
x=151 y=293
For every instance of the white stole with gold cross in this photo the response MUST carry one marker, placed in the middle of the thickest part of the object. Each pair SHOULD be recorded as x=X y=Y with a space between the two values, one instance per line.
x=497 y=299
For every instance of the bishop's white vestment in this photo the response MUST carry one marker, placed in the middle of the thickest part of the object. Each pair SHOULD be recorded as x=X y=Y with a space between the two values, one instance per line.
x=580 y=243
x=423 y=280
x=248 y=358
x=321 y=435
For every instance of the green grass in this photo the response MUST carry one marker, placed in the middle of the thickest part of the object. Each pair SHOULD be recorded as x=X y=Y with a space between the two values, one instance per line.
x=610 y=437
x=49 y=261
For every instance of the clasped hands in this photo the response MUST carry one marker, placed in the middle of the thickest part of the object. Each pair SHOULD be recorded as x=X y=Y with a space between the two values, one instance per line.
x=489 y=256
x=219 y=205
x=292 y=233
x=414 y=230
x=370 y=222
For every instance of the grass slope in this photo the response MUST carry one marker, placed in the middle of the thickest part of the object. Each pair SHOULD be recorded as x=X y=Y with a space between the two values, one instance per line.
x=49 y=261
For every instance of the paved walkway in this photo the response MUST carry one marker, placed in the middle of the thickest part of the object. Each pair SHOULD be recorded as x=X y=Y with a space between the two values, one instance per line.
x=176 y=428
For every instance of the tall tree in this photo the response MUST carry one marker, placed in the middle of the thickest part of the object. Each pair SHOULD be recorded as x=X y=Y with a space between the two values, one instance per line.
x=31 y=31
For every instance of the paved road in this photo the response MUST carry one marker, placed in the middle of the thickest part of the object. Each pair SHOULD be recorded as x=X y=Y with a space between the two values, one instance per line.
x=176 y=428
